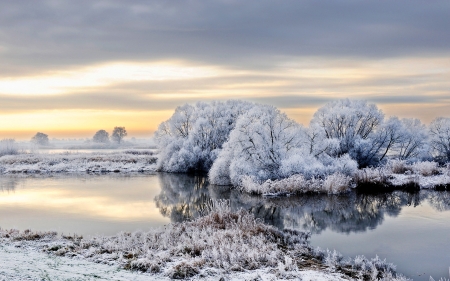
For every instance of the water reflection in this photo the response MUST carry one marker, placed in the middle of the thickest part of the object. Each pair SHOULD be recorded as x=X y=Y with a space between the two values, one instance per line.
x=8 y=185
x=183 y=197
x=409 y=229
x=83 y=204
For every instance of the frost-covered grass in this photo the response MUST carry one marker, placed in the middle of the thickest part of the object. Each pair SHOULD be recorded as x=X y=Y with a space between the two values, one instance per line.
x=221 y=242
x=399 y=174
x=297 y=184
x=123 y=162
x=396 y=174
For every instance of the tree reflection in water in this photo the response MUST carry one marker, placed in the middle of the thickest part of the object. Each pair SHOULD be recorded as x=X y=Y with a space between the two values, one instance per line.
x=8 y=184
x=184 y=197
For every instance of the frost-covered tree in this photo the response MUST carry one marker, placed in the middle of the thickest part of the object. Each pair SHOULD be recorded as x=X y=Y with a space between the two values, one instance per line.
x=40 y=139
x=413 y=143
x=118 y=134
x=193 y=136
x=266 y=144
x=379 y=143
x=440 y=138
x=318 y=144
x=358 y=128
x=348 y=121
x=101 y=136
x=260 y=143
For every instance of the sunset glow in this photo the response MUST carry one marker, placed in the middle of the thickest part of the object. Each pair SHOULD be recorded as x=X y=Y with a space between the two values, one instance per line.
x=136 y=81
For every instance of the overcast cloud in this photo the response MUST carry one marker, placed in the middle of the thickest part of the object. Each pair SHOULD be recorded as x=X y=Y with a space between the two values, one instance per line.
x=261 y=47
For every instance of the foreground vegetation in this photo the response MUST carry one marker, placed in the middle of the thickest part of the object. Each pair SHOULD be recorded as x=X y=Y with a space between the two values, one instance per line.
x=221 y=242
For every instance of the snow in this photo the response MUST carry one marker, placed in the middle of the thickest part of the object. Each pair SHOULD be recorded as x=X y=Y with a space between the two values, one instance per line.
x=233 y=245
x=123 y=162
x=248 y=144
x=396 y=173
x=297 y=184
x=29 y=264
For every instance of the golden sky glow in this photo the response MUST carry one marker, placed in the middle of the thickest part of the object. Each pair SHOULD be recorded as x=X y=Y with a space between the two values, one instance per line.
x=141 y=95
x=69 y=69
x=77 y=123
x=64 y=81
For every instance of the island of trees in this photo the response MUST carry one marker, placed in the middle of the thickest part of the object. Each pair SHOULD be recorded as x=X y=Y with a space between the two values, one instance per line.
x=243 y=143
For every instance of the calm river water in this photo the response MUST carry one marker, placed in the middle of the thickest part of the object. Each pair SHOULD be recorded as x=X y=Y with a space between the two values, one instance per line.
x=409 y=230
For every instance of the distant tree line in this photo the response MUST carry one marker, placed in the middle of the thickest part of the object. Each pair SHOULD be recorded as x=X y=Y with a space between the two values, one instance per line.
x=118 y=134
x=101 y=136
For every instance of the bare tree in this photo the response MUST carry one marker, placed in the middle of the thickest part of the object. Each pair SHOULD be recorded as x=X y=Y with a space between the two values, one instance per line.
x=118 y=134
x=101 y=136
x=40 y=139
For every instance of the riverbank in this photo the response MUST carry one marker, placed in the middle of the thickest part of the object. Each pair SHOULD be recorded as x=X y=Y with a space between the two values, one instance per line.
x=41 y=266
x=395 y=175
x=233 y=245
x=131 y=161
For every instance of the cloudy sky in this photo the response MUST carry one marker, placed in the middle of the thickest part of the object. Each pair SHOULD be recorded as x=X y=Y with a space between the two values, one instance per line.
x=69 y=68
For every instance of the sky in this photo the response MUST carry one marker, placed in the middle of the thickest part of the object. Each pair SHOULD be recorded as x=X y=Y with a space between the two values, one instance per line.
x=70 y=68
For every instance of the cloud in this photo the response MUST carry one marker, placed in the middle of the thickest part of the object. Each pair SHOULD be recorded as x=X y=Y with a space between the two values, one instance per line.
x=293 y=84
x=38 y=34
x=138 y=55
x=104 y=75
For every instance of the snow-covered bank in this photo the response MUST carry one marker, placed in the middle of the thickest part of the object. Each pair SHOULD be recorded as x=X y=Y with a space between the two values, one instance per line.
x=398 y=174
x=297 y=184
x=123 y=162
x=223 y=243
x=29 y=264
x=394 y=175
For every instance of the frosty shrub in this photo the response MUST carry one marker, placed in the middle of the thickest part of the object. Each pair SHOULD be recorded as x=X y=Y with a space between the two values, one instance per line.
x=398 y=167
x=8 y=147
x=371 y=176
x=193 y=137
x=425 y=168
